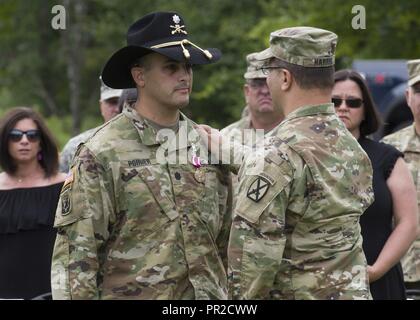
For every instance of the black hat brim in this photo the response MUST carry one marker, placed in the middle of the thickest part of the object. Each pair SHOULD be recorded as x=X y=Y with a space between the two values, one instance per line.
x=117 y=71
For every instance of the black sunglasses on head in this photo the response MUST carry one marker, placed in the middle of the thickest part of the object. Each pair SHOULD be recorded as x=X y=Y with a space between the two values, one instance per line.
x=16 y=135
x=351 y=103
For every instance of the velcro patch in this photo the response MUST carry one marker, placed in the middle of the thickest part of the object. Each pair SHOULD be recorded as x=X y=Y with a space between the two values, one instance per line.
x=65 y=201
x=258 y=189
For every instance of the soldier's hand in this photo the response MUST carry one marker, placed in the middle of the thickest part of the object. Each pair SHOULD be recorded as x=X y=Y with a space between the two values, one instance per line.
x=211 y=137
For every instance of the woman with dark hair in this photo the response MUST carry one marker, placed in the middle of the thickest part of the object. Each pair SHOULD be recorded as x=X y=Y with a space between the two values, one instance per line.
x=29 y=191
x=389 y=225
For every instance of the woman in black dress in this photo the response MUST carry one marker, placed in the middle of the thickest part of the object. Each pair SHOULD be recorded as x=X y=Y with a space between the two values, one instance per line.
x=389 y=225
x=29 y=190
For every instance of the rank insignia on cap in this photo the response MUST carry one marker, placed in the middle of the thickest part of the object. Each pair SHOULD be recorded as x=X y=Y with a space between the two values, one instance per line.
x=176 y=19
x=177 y=27
x=257 y=189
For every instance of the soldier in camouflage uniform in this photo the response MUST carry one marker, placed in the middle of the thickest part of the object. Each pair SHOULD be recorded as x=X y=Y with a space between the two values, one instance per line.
x=261 y=114
x=295 y=231
x=108 y=103
x=131 y=226
x=407 y=140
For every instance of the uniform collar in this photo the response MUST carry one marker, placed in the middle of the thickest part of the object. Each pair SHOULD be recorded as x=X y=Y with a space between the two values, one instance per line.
x=327 y=108
x=149 y=135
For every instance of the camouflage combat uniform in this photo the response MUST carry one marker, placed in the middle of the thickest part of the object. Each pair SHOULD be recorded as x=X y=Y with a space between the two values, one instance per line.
x=408 y=142
x=67 y=154
x=235 y=130
x=130 y=228
x=295 y=231
x=235 y=133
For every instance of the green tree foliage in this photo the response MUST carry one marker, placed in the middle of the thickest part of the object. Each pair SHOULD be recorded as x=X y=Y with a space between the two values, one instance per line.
x=34 y=58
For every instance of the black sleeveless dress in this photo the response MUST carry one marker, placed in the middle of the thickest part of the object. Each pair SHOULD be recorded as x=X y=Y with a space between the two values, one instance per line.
x=377 y=224
x=26 y=240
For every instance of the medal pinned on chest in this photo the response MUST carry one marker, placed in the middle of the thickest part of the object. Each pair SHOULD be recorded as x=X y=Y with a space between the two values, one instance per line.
x=200 y=173
x=195 y=160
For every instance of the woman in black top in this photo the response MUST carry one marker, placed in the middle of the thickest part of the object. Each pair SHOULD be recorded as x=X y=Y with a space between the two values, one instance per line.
x=29 y=190
x=389 y=225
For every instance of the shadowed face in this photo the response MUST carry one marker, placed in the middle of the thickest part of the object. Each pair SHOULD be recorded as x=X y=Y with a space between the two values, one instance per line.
x=166 y=81
x=257 y=96
x=413 y=100
x=109 y=108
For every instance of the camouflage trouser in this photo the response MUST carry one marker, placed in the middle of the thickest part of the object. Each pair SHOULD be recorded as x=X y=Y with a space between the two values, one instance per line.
x=413 y=290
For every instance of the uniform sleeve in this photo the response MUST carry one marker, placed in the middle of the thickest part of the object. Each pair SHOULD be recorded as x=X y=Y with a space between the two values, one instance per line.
x=257 y=238
x=83 y=216
x=66 y=157
x=226 y=207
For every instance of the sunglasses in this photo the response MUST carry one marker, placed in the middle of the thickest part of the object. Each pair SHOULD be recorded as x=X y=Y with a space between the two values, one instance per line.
x=257 y=83
x=351 y=103
x=16 y=135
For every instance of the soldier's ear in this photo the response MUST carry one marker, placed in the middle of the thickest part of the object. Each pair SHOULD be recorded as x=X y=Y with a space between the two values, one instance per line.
x=286 y=79
x=138 y=76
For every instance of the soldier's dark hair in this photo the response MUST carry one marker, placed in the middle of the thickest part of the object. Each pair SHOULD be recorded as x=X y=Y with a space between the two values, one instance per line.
x=49 y=150
x=372 y=121
x=141 y=62
x=310 y=77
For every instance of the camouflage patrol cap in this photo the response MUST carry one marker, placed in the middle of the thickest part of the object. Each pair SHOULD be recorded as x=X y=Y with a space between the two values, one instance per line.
x=304 y=46
x=254 y=67
x=413 y=71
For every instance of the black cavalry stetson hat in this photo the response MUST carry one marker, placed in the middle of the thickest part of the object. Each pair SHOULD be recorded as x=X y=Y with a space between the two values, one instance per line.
x=161 y=32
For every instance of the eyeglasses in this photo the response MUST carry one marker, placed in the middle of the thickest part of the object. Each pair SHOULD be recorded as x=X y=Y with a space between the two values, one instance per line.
x=16 y=135
x=266 y=70
x=351 y=103
x=257 y=83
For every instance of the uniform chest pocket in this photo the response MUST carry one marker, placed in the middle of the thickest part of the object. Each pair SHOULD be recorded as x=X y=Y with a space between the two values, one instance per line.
x=144 y=197
x=213 y=203
x=202 y=193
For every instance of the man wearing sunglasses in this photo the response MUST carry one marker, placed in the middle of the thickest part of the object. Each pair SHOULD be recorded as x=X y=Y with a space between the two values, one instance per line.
x=407 y=140
x=295 y=231
x=261 y=113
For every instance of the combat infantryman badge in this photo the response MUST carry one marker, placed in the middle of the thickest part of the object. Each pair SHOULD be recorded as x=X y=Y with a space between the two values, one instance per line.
x=257 y=189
